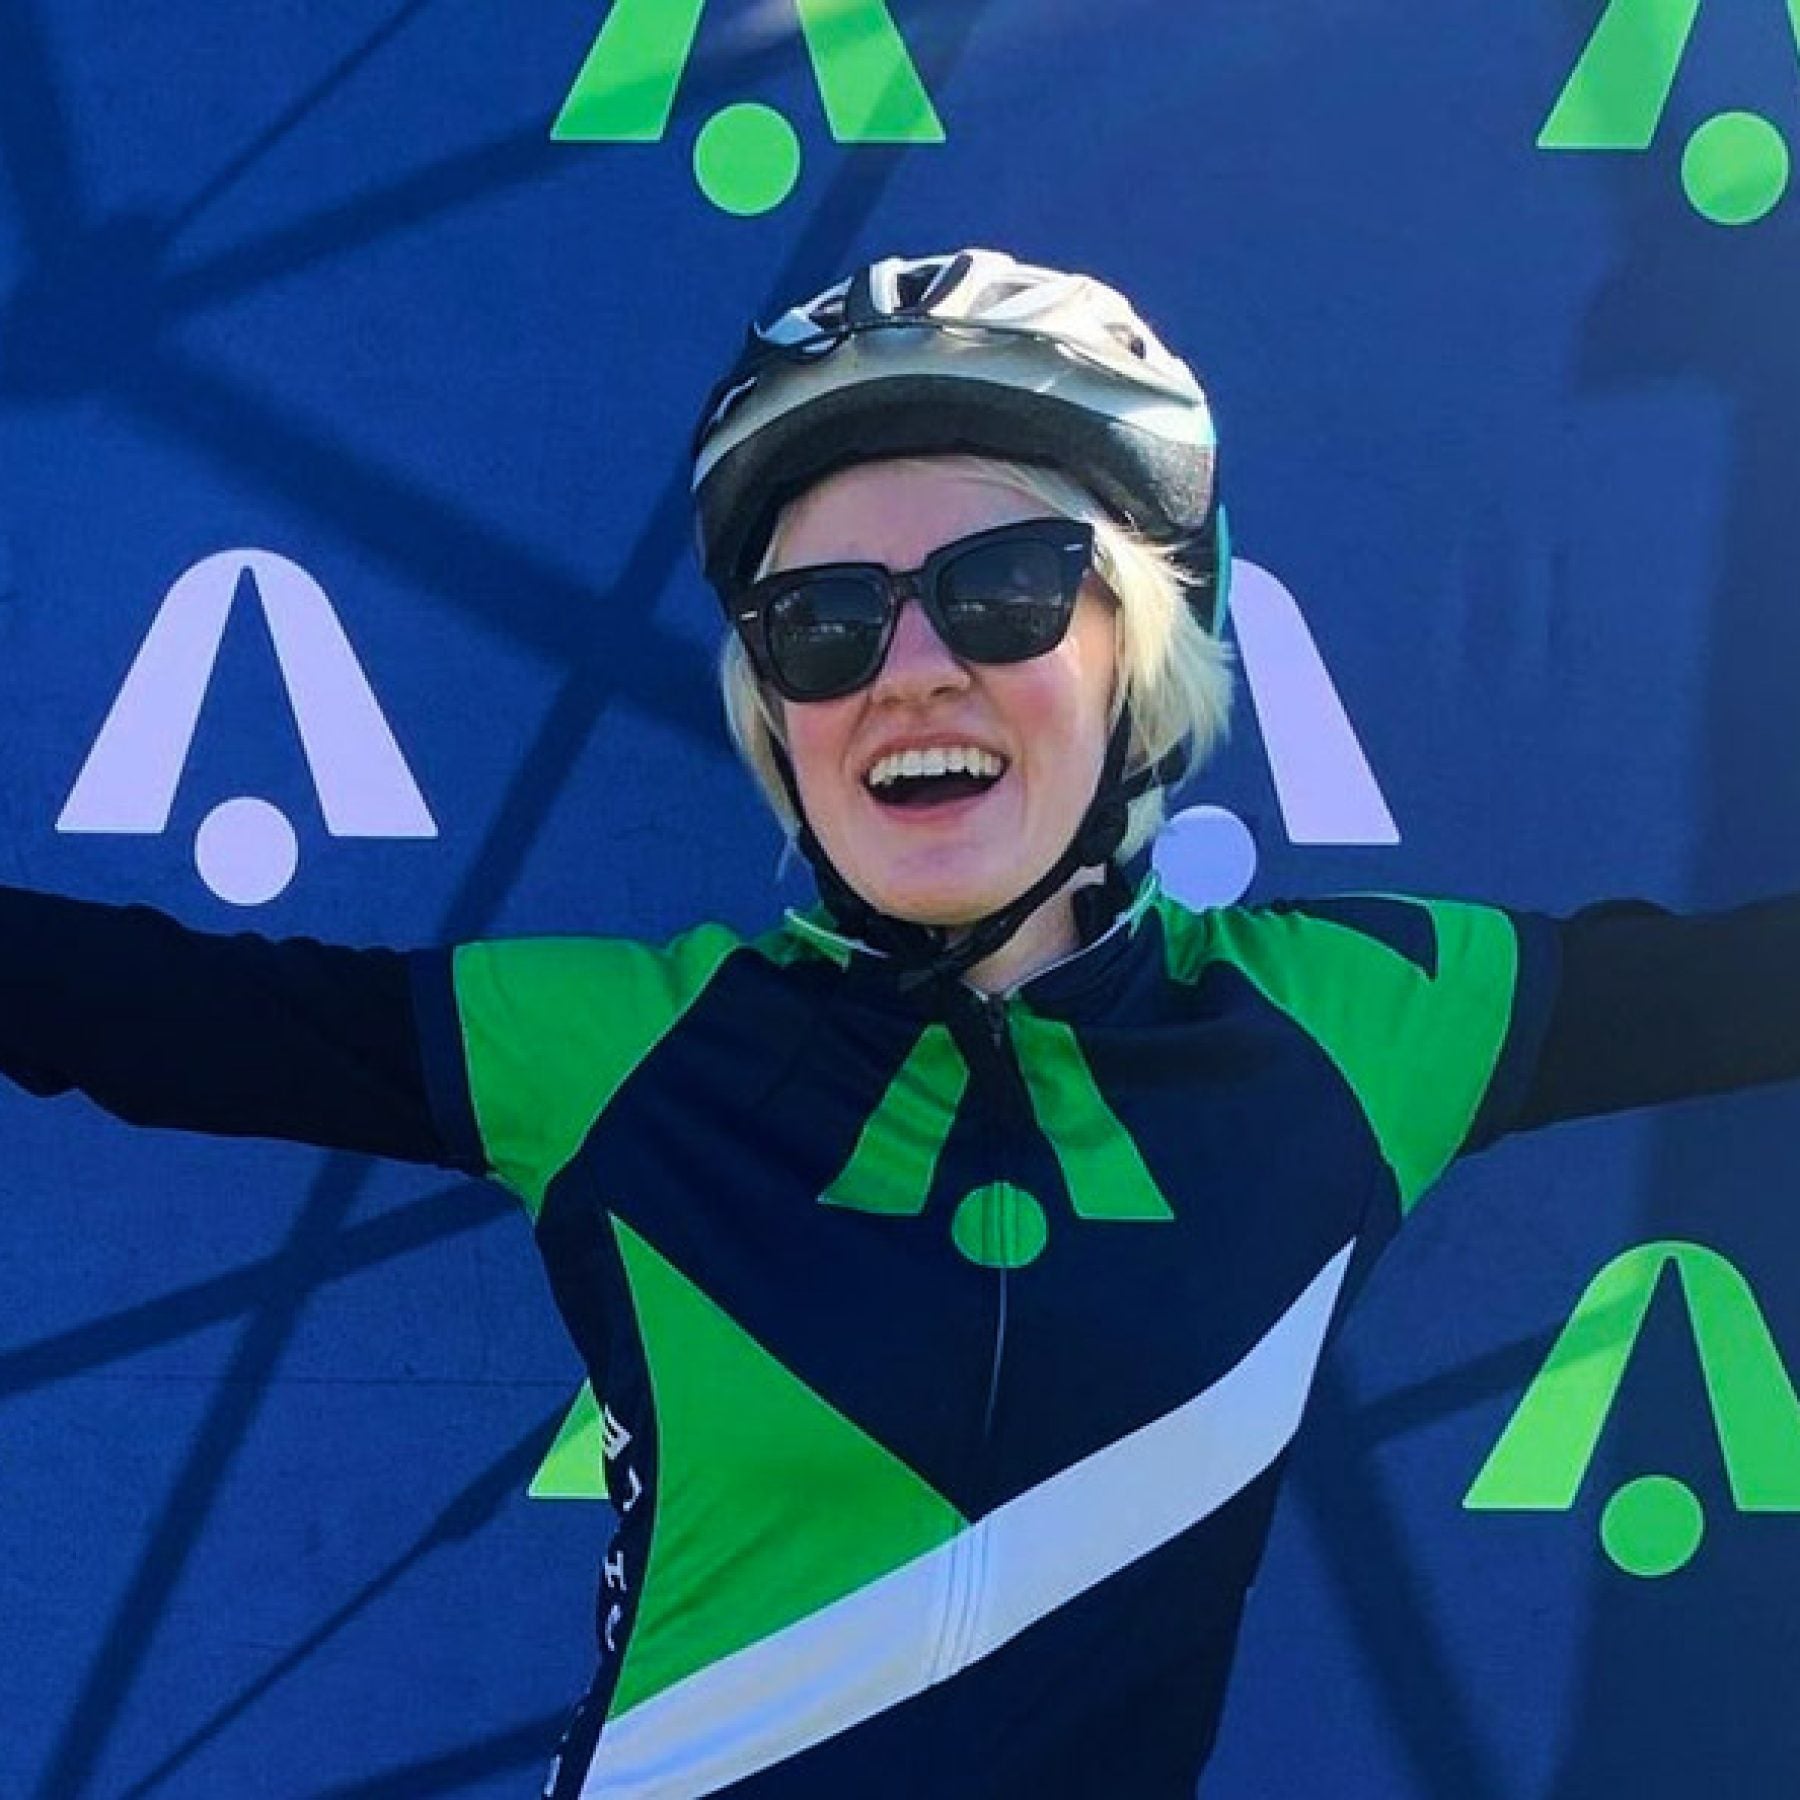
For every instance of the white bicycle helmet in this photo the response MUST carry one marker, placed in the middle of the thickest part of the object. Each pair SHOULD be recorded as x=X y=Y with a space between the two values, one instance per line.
x=969 y=351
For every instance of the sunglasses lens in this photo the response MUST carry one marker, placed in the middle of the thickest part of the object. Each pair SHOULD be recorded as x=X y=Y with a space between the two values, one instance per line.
x=1008 y=601
x=825 y=634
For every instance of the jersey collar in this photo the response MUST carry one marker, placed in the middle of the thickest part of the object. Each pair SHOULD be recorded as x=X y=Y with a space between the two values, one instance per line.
x=1108 y=915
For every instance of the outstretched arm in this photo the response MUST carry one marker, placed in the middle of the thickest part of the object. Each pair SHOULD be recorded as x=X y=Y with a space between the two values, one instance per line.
x=236 y=1035
x=1653 y=1005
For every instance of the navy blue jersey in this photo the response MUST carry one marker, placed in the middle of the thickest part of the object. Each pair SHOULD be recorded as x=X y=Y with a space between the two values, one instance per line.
x=950 y=1343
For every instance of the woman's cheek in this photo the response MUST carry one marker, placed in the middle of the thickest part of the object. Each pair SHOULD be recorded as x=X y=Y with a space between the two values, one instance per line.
x=815 y=747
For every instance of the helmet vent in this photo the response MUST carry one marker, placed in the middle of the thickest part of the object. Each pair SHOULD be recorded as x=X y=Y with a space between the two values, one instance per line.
x=914 y=288
x=1132 y=340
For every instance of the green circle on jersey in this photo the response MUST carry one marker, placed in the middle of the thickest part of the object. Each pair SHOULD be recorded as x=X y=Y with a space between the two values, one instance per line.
x=1652 y=1526
x=1000 y=1226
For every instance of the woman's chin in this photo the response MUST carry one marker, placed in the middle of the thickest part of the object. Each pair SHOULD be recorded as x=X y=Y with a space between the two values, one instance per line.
x=940 y=897
x=944 y=877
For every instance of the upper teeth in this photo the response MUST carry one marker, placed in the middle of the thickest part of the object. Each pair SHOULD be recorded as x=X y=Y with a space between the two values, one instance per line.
x=950 y=759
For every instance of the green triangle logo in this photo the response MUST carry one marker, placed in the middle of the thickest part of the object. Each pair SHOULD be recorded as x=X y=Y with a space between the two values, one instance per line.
x=1735 y=166
x=1652 y=1525
x=895 y=1160
x=733 y=1426
x=747 y=156
x=574 y=1468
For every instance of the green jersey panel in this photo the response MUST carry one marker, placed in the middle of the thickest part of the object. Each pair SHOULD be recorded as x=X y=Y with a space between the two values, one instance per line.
x=553 y=1027
x=1417 y=1039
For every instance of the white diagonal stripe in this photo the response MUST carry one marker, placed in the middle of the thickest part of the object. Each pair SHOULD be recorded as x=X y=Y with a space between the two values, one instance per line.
x=953 y=1605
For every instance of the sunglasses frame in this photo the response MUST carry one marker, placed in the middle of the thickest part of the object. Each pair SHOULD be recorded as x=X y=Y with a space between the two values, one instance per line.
x=1073 y=539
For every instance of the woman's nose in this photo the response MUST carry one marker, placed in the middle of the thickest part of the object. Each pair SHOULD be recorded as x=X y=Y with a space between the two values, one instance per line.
x=918 y=660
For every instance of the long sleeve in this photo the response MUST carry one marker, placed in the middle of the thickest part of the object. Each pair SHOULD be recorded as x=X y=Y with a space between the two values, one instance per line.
x=236 y=1035
x=1653 y=1006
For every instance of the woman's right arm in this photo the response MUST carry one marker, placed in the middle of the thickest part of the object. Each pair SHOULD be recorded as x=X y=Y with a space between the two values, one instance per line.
x=236 y=1035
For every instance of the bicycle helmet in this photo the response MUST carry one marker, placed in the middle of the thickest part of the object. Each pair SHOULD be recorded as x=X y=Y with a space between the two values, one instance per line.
x=964 y=351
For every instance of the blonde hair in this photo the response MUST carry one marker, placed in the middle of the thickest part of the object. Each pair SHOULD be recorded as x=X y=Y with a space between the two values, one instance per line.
x=1175 y=674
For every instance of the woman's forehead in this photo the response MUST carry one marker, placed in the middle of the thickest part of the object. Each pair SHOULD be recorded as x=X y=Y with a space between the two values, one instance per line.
x=895 y=512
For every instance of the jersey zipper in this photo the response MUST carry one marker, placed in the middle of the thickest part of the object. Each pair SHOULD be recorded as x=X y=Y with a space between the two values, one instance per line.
x=993 y=1008
x=982 y=1030
x=1001 y=1087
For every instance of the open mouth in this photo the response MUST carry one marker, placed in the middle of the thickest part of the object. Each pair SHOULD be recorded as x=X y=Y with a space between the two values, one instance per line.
x=920 y=780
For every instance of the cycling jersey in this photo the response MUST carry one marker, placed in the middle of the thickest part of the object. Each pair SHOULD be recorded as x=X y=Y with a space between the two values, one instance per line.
x=950 y=1344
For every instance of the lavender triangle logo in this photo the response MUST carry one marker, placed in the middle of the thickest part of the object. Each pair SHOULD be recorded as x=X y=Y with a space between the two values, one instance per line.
x=246 y=849
x=1324 y=785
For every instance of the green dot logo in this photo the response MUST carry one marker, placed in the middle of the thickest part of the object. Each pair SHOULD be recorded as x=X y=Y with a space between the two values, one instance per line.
x=747 y=156
x=1000 y=1226
x=1734 y=168
x=1652 y=1525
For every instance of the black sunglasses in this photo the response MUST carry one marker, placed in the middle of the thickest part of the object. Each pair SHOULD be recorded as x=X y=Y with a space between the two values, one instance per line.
x=1001 y=596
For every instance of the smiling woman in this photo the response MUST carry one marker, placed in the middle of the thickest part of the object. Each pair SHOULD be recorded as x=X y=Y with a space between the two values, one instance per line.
x=1065 y=397
x=1045 y=720
x=917 y=837
x=1162 y=663
x=953 y=1259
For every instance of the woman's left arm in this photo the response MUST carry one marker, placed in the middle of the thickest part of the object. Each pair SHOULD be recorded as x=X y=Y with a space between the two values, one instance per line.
x=1653 y=1005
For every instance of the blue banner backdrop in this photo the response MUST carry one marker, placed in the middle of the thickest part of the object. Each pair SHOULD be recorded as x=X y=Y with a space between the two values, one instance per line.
x=347 y=590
